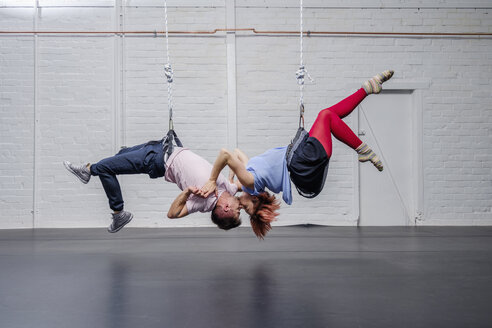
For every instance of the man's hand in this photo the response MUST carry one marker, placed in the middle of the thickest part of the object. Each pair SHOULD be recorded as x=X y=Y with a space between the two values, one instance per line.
x=208 y=188
x=193 y=190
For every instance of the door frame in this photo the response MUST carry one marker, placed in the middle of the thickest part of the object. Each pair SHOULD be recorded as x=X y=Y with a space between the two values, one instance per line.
x=416 y=89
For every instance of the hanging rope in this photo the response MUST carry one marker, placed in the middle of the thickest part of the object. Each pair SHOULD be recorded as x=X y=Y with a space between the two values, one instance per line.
x=170 y=139
x=301 y=73
x=168 y=71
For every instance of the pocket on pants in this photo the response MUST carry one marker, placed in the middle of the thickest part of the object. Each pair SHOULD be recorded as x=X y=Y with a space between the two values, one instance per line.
x=149 y=160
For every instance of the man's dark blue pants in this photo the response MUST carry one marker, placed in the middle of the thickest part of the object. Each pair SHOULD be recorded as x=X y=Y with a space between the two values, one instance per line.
x=146 y=158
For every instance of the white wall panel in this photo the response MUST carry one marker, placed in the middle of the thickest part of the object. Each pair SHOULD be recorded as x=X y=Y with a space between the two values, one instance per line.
x=75 y=115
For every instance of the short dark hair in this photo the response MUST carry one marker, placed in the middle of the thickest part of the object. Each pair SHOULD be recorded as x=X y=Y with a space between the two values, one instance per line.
x=224 y=223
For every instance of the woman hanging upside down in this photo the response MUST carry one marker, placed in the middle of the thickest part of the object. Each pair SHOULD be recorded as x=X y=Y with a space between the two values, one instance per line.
x=306 y=159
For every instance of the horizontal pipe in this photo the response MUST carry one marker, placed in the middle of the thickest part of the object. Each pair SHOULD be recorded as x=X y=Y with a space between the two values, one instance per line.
x=308 y=33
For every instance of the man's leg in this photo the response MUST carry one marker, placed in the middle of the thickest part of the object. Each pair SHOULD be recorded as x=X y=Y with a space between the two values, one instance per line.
x=107 y=170
x=128 y=161
x=111 y=187
x=130 y=149
x=83 y=173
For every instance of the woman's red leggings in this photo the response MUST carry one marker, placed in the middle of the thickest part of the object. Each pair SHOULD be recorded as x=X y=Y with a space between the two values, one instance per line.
x=329 y=121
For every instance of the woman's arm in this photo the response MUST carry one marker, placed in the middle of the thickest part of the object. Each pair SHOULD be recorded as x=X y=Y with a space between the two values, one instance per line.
x=239 y=185
x=244 y=159
x=237 y=166
x=241 y=156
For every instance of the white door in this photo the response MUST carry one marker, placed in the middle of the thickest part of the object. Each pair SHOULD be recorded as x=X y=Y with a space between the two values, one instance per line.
x=385 y=124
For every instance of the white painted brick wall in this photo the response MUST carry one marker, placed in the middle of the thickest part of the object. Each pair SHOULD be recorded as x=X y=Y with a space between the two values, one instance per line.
x=78 y=100
x=16 y=122
x=75 y=114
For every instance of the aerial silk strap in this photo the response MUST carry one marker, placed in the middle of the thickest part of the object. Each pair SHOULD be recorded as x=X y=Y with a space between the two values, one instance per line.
x=294 y=144
x=170 y=141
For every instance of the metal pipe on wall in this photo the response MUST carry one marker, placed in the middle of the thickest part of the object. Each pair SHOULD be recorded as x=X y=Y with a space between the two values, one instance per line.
x=35 y=119
x=255 y=31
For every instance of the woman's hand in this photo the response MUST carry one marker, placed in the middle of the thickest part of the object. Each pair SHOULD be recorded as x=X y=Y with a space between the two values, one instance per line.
x=208 y=188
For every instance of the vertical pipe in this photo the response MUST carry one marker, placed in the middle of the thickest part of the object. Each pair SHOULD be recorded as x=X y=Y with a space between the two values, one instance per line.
x=35 y=118
x=231 y=75
x=418 y=154
x=123 y=74
x=115 y=103
x=357 y=190
x=301 y=65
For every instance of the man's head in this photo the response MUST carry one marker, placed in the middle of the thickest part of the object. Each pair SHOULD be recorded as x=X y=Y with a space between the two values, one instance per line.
x=226 y=212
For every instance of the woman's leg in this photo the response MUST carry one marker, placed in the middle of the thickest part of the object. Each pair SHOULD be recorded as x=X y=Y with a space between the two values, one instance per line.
x=347 y=105
x=329 y=122
x=373 y=85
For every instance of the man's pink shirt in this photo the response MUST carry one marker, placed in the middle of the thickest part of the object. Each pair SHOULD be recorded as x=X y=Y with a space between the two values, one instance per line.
x=187 y=169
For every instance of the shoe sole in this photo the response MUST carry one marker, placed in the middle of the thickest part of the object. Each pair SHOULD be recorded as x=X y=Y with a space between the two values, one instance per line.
x=74 y=173
x=121 y=227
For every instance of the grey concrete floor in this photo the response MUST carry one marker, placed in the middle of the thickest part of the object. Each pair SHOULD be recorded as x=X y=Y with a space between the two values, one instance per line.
x=297 y=277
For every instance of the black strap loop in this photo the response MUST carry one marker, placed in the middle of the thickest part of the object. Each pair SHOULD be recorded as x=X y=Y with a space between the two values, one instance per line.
x=170 y=141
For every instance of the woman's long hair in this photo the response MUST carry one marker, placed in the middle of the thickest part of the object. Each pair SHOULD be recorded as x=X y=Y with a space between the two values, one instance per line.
x=266 y=212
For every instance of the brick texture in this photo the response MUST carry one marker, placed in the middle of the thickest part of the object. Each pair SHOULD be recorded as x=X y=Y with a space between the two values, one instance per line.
x=96 y=93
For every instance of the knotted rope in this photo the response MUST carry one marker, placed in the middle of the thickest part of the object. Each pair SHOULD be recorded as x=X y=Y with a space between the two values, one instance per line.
x=168 y=71
x=301 y=73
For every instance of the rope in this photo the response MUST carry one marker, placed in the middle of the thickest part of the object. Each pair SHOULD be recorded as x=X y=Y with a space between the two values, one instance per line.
x=301 y=73
x=402 y=201
x=168 y=71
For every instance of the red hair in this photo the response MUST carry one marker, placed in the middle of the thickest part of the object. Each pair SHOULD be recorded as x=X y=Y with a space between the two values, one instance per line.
x=265 y=213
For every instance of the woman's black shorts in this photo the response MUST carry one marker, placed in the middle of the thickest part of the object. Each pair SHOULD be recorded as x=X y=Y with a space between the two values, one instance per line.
x=309 y=166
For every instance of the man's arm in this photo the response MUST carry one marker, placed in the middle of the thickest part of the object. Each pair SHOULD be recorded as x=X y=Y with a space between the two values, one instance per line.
x=178 y=207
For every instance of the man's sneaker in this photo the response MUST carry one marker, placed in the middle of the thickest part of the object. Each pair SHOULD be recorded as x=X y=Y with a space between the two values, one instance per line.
x=81 y=172
x=119 y=221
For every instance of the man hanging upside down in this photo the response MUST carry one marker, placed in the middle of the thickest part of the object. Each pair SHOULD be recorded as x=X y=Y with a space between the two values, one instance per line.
x=183 y=167
x=304 y=162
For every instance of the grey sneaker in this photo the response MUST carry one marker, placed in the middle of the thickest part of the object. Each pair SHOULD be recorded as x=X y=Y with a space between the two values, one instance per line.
x=119 y=221
x=81 y=172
